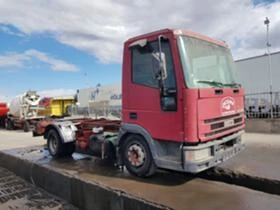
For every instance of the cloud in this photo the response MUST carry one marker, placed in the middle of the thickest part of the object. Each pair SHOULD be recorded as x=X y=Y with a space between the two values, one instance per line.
x=57 y=93
x=6 y=98
x=14 y=59
x=101 y=27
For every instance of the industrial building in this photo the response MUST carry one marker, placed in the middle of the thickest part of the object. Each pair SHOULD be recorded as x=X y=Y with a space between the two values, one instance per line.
x=101 y=100
x=253 y=73
x=257 y=74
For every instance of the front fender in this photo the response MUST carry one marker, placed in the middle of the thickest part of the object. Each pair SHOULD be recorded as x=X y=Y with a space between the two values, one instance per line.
x=128 y=128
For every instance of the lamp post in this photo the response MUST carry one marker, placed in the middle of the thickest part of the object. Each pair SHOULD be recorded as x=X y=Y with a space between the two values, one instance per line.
x=268 y=45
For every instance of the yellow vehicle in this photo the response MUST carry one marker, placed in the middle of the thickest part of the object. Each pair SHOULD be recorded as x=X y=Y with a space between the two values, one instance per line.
x=57 y=107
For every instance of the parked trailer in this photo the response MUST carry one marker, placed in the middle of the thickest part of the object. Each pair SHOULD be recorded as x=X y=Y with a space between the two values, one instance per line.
x=56 y=107
x=23 y=111
x=3 y=113
x=181 y=108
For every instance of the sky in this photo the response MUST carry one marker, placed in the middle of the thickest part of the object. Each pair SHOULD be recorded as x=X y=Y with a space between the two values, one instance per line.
x=58 y=46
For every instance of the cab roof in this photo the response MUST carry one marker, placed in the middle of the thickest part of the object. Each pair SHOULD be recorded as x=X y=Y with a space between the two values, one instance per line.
x=177 y=32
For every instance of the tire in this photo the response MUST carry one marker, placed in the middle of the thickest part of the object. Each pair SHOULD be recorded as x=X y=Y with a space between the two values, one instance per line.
x=9 y=124
x=26 y=126
x=56 y=147
x=69 y=149
x=2 y=122
x=137 y=156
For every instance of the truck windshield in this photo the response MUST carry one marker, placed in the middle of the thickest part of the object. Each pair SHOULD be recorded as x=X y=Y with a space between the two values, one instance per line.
x=205 y=64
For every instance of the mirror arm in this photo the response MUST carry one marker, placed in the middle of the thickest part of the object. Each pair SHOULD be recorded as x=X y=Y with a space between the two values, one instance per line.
x=162 y=64
x=159 y=46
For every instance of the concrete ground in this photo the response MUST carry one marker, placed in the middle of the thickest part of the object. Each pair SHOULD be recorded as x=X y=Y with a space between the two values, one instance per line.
x=170 y=189
x=18 y=139
x=261 y=158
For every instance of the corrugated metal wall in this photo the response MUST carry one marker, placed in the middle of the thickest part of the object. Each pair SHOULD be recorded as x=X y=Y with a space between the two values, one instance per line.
x=253 y=73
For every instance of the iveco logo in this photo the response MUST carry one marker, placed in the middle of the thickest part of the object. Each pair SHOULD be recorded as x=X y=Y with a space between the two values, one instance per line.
x=227 y=105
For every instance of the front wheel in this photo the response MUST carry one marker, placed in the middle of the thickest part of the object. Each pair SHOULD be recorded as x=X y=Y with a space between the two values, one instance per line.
x=137 y=156
x=57 y=148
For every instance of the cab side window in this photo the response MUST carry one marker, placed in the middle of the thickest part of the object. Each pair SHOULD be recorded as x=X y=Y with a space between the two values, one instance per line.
x=142 y=66
x=143 y=72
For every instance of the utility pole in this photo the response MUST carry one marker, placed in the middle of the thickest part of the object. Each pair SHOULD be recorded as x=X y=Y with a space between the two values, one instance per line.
x=268 y=45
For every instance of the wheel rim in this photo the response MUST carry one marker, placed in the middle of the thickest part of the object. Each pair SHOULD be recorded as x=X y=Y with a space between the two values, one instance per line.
x=136 y=155
x=53 y=144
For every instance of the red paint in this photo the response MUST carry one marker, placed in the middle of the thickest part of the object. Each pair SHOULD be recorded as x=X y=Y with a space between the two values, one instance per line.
x=3 y=109
x=41 y=126
x=85 y=127
x=45 y=102
x=146 y=101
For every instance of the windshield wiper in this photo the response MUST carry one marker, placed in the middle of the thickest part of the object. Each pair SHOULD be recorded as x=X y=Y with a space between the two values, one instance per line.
x=234 y=84
x=211 y=82
x=220 y=84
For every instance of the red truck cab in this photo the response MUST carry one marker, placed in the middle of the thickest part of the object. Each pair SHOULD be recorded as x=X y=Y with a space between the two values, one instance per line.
x=191 y=114
x=181 y=108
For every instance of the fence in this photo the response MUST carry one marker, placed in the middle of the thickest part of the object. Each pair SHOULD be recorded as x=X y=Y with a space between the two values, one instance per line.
x=262 y=105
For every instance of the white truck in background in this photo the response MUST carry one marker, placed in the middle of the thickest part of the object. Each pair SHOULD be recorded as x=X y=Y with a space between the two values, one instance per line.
x=23 y=111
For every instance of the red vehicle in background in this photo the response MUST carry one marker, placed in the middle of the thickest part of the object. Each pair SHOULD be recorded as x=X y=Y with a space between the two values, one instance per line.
x=181 y=108
x=3 y=113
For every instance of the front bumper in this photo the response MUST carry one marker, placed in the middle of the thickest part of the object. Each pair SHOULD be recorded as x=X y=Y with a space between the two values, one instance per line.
x=220 y=151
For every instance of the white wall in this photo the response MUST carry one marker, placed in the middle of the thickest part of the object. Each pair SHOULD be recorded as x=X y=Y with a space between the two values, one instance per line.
x=110 y=93
x=253 y=73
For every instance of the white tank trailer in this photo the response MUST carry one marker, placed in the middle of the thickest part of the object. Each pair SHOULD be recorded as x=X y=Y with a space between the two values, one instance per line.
x=23 y=111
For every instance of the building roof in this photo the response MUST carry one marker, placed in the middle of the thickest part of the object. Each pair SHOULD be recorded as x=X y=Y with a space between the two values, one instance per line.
x=258 y=56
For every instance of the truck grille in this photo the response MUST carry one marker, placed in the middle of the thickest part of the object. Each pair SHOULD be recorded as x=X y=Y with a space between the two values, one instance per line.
x=222 y=124
x=222 y=130
x=238 y=120
x=221 y=118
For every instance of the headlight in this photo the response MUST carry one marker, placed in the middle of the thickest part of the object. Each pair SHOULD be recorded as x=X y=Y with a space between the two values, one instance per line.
x=194 y=155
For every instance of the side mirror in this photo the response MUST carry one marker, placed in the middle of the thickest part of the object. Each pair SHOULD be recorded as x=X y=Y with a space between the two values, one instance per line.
x=159 y=65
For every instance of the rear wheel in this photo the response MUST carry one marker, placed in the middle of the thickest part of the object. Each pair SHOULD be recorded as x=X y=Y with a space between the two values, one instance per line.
x=137 y=156
x=56 y=147
x=9 y=124
x=26 y=126
x=69 y=148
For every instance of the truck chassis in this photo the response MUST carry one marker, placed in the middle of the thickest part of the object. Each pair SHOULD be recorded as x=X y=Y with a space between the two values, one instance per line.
x=131 y=146
x=13 y=123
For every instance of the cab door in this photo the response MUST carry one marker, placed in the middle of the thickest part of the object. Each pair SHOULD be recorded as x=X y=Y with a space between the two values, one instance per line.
x=148 y=101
